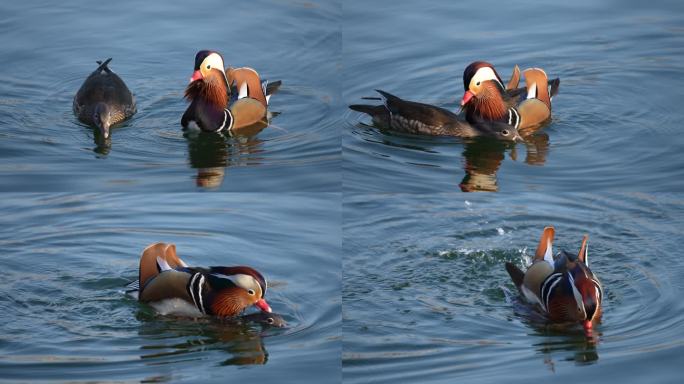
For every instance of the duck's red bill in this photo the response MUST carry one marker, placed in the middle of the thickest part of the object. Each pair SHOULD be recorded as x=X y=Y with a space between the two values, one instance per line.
x=466 y=97
x=263 y=305
x=588 y=325
x=196 y=76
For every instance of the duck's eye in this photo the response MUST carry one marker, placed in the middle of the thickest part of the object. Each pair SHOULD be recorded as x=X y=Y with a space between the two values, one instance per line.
x=505 y=132
x=251 y=292
x=270 y=320
x=478 y=83
x=208 y=66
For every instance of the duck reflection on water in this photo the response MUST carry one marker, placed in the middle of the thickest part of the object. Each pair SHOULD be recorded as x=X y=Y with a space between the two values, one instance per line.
x=241 y=338
x=482 y=158
x=211 y=154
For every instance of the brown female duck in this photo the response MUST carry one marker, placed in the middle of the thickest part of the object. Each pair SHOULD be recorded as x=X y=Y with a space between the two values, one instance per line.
x=104 y=99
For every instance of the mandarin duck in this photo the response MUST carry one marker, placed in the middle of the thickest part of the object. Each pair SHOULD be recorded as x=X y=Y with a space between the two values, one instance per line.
x=220 y=103
x=103 y=99
x=487 y=101
x=171 y=286
x=564 y=287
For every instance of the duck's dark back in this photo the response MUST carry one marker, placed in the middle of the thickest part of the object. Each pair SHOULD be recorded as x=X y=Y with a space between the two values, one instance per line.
x=106 y=86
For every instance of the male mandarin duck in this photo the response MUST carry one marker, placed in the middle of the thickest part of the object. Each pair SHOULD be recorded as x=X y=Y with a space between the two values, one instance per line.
x=486 y=102
x=170 y=285
x=103 y=99
x=223 y=100
x=564 y=287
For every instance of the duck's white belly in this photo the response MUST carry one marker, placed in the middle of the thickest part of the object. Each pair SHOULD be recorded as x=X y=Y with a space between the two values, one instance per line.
x=176 y=306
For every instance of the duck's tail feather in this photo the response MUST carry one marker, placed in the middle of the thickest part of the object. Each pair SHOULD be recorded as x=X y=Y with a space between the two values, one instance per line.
x=272 y=87
x=554 y=84
x=387 y=97
x=388 y=103
x=103 y=65
x=368 y=109
x=516 y=274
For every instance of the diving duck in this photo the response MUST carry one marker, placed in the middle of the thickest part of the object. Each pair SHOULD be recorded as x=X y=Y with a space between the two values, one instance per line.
x=220 y=103
x=171 y=286
x=564 y=287
x=487 y=101
x=103 y=99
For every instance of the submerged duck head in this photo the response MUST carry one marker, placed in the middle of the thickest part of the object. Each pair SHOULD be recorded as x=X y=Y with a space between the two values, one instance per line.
x=585 y=287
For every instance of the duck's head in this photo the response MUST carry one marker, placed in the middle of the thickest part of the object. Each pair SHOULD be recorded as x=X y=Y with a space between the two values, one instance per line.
x=235 y=288
x=208 y=64
x=586 y=288
x=478 y=77
x=208 y=80
x=483 y=91
x=270 y=319
x=102 y=118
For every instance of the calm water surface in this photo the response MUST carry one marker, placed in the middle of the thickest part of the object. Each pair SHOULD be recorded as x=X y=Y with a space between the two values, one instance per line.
x=48 y=48
x=426 y=297
x=66 y=259
x=616 y=122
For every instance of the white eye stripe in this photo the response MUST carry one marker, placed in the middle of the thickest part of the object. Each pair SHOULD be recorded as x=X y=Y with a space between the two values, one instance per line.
x=243 y=281
x=214 y=61
x=577 y=295
x=484 y=74
x=599 y=290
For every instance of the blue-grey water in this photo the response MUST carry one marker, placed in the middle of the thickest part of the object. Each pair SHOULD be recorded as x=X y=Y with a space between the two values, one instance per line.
x=382 y=274
x=67 y=257
x=48 y=48
x=426 y=298
x=616 y=122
